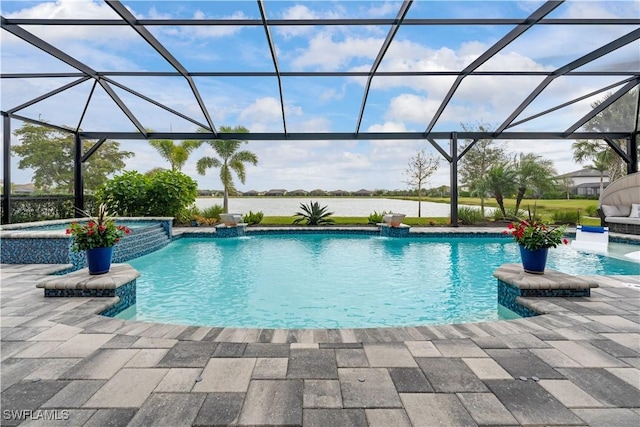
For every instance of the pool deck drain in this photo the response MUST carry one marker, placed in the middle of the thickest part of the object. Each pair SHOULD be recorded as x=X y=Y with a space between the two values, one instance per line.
x=579 y=364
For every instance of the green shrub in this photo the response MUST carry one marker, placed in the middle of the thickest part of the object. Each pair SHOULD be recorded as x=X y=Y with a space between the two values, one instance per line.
x=591 y=210
x=212 y=212
x=376 y=218
x=313 y=214
x=187 y=215
x=510 y=214
x=168 y=192
x=126 y=194
x=163 y=193
x=566 y=217
x=253 y=218
x=469 y=216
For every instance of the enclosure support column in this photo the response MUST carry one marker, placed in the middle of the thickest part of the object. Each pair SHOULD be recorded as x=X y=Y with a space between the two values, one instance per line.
x=632 y=149
x=78 y=185
x=454 y=179
x=6 y=164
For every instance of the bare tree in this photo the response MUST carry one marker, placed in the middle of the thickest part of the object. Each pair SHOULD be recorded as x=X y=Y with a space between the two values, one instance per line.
x=420 y=168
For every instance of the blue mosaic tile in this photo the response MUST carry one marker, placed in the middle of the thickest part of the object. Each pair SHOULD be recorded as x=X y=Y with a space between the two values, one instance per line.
x=127 y=295
x=34 y=251
x=341 y=231
x=386 y=231
x=507 y=295
x=57 y=250
x=226 y=232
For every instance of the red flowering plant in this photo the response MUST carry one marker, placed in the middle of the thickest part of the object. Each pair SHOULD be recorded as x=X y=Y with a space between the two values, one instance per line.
x=534 y=234
x=100 y=232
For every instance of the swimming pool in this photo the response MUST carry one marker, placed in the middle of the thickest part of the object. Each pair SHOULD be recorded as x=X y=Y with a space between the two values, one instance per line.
x=332 y=281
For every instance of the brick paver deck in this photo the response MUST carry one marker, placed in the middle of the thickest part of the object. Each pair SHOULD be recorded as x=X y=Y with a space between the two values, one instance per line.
x=579 y=364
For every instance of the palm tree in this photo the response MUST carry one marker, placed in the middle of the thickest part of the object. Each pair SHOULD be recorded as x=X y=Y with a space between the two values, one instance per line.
x=532 y=170
x=176 y=155
x=500 y=180
x=601 y=155
x=230 y=159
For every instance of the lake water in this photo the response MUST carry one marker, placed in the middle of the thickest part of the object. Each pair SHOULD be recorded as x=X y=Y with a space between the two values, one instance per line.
x=340 y=206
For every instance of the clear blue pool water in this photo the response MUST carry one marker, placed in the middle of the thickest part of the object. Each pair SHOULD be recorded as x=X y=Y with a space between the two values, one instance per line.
x=332 y=281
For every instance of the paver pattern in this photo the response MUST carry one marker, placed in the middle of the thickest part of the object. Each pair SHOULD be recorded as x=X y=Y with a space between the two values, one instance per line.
x=578 y=364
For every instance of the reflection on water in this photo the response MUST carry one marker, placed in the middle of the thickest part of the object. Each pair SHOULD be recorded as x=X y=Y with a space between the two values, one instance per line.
x=340 y=206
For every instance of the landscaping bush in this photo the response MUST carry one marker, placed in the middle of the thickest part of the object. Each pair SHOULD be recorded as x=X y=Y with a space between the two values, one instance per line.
x=592 y=210
x=163 y=193
x=168 y=192
x=376 y=218
x=187 y=215
x=566 y=217
x=125 y=194
x=470 y=216
x=253 y=218
x=313 y=214
x=212 y=212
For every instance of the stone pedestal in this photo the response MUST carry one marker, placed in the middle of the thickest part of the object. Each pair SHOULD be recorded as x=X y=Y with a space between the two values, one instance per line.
x=238 y=230
x=119 y=282
x=401 y=230
x=514 y=283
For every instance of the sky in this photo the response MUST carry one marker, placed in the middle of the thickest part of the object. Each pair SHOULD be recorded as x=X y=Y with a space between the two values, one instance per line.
x=317 y=104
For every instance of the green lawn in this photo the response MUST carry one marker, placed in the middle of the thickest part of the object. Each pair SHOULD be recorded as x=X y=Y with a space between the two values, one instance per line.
x=545 y=209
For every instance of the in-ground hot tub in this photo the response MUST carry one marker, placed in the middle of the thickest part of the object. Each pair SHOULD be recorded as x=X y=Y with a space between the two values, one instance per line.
x=46 y=242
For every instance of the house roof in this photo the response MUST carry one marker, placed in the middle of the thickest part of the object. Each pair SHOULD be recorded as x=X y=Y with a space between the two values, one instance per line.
x=584 y=173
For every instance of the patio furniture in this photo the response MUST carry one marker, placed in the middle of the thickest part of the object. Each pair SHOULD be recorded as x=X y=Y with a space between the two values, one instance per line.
x=619 y=205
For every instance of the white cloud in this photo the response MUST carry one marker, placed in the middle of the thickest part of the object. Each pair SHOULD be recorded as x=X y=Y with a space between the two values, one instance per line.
x=326 y=54
x=300 y=11
x=384 y=9
x=262 y=110
x=388 y=127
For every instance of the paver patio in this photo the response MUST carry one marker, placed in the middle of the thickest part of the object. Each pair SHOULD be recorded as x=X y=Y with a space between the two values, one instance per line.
x=579 y=364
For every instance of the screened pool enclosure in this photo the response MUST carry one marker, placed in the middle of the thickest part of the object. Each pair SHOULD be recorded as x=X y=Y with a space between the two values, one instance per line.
x=348 y=72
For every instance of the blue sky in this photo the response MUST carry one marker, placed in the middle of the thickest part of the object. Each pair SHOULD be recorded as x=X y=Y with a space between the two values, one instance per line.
x=319 y=104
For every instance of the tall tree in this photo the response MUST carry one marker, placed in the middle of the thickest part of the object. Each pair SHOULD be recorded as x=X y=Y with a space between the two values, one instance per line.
x=230 y=159
x=420 y=168
x=478 y=160
x=50 y=154
x=500 y=180
x=618 y=117
x=532 y=171
x=175 y=154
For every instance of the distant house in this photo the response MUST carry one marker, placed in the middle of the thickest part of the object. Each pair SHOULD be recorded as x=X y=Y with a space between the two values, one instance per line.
x=251 y=193
x=585 y=182
x=363 y=193
x=339 y=193
x=318 y=192
x=275 y=192
x=23 y=188
x=298 y=192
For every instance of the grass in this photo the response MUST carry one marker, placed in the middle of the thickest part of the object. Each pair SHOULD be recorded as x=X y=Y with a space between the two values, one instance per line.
x=363 y=221
x=544 y=206
x=355 y=220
